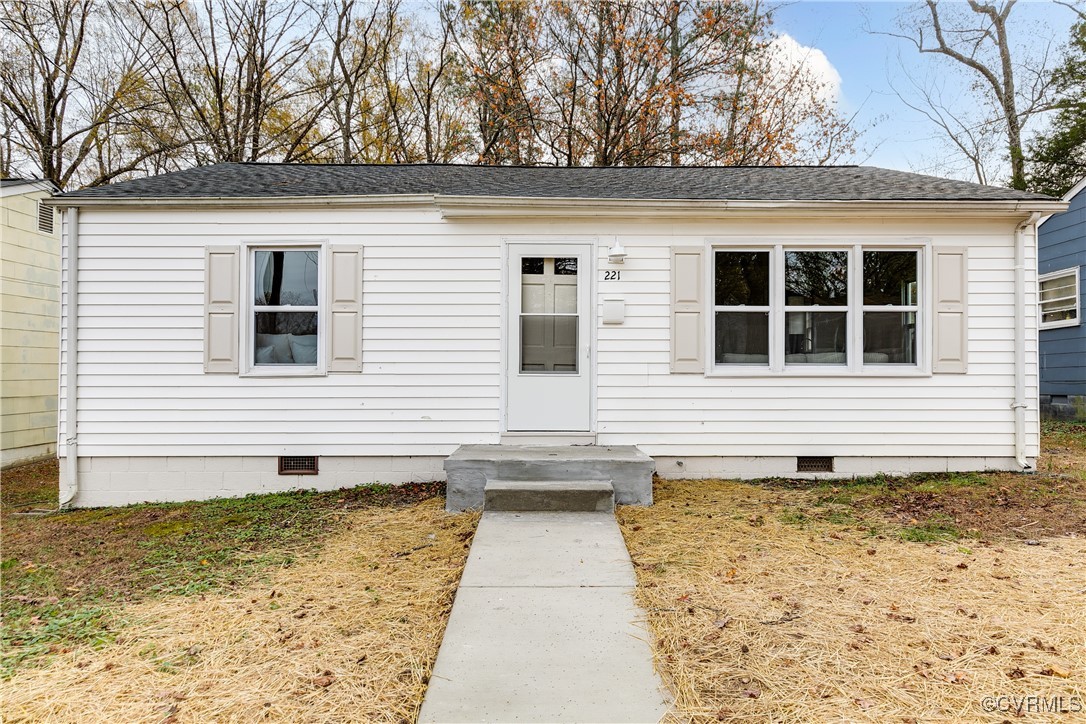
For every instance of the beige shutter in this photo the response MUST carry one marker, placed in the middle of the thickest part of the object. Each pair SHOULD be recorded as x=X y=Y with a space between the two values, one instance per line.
x=687 y=308
x=345 y=329
x=951 y=325
x=221 y=282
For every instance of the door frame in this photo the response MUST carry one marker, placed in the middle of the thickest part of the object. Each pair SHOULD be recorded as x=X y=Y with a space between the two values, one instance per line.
x=508 y=245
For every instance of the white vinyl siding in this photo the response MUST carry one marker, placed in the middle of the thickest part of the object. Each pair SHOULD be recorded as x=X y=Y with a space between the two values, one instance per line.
x=431 y=370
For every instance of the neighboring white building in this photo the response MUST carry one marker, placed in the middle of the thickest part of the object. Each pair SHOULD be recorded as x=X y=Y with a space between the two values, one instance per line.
x=236 y=319
x=30 y=318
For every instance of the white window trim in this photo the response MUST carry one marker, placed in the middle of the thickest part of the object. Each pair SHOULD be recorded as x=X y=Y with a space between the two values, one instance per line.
x=1074 y=273
x=248 y=367
x=855 y=366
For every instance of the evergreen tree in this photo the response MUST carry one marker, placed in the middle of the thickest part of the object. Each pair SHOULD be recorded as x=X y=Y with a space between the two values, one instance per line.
x=1058 y=156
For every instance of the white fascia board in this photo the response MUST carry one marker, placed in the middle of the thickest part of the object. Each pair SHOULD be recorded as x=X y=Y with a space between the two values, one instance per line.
x=249 y=202
x=472 y=207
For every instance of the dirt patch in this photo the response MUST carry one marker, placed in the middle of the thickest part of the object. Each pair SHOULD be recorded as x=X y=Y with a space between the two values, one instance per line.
x=350 y=635
x=762 y=612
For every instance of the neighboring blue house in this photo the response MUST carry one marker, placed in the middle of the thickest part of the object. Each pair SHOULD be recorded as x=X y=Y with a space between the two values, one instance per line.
x=1061 y=264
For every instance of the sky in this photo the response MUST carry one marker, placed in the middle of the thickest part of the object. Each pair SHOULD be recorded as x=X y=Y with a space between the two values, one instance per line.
x=869 y=65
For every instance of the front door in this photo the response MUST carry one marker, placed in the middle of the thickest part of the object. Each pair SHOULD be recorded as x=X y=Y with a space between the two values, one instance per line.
x=549 y=337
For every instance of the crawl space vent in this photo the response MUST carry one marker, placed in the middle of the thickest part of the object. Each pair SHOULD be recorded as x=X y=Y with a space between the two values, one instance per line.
x=814 y=465
x=298 y=465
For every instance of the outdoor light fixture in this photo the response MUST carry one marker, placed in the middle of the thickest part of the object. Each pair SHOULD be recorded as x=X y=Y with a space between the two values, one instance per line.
x=617 y=253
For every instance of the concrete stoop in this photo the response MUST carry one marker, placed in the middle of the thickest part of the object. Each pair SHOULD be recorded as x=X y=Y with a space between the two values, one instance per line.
x=527 y=474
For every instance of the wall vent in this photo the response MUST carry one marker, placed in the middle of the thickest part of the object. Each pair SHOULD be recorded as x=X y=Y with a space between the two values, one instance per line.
x=811 y=464
x=45 y=218
x=298 y=465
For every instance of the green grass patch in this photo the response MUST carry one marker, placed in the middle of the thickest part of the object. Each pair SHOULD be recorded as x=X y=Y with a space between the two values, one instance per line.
x=937 y=528
x=1065 y=433
x=790 y=516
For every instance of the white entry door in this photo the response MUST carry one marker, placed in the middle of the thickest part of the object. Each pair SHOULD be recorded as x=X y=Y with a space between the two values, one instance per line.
x=548 y=338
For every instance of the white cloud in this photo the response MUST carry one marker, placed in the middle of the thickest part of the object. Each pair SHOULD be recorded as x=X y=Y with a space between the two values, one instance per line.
x=790 y=54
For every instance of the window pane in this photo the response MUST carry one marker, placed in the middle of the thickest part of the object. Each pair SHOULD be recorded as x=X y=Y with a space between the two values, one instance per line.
x=816 y=338
x=890 y=277
x=816 y=278
x=548 y=344
x=286 y=278
x=565 y=266
x=285 y=338
x=531 y=265
x=742 y=338
x=742 y=278
x=890 y=338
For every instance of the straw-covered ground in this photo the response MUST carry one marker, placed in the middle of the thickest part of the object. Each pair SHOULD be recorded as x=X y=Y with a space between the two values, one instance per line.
x=304 y=606
x=902 y=599
x=885 y=599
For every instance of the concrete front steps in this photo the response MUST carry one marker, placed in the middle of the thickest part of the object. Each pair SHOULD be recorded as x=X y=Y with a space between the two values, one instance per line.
x=583 y=496
x=547 y=478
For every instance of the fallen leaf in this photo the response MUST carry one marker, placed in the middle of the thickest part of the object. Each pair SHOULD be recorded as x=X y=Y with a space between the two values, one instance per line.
x=1056 y=670
x=1016 y=674
x=752 y=693
x=956 y=677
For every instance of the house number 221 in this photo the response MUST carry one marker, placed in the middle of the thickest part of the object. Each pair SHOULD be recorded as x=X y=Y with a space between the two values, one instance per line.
x=612 y=275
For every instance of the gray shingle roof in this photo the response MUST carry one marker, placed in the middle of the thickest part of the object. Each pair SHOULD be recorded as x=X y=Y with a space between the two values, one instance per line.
x=742 y=183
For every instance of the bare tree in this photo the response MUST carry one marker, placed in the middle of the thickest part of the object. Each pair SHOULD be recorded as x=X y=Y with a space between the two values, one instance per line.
x=66 y=86
x=229 y=74
x=427 y=111
x=359 y=36
x=1013 y=86
x=500 y=46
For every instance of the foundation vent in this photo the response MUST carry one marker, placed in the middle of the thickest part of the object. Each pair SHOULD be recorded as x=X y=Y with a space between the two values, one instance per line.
x=811 y=464
x=298 y=465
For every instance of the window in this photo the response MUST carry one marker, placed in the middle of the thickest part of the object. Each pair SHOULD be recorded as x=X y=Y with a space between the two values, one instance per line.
x=1059 y=299
x=286 y=287
x=548 y=314
x=805 y=308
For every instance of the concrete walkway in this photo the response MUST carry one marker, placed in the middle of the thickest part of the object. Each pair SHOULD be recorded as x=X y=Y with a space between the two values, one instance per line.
x=544 y=628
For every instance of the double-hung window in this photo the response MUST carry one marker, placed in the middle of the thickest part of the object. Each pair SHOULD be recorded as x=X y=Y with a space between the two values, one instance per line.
x=1059 y=299
x=285 y=318
x=795 y=308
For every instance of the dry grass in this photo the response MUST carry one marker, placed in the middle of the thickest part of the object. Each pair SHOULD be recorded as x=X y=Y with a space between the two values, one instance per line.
x=763 y=617
x=348 y=636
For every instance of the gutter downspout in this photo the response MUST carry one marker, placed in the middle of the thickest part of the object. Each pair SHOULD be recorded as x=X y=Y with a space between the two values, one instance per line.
x=71 y=452
x=1019 y=404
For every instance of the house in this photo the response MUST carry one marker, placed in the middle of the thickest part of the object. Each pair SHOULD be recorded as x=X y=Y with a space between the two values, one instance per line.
x=30 y=318
x=253 y=327
x=1061 y=259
